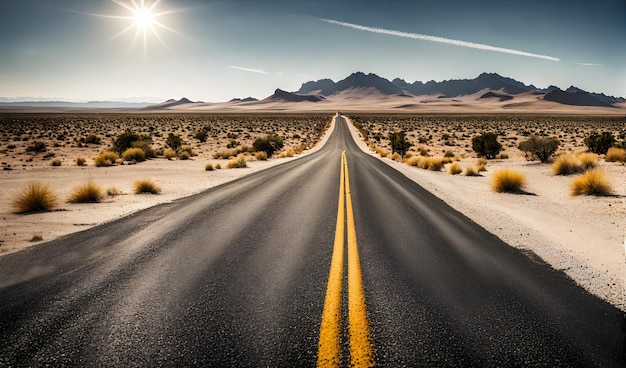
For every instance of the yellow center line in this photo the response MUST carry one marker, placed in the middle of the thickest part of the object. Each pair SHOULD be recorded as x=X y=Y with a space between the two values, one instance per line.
x=329 y=348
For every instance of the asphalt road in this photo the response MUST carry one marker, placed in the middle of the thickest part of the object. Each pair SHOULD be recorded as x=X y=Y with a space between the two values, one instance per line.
x=238 y=276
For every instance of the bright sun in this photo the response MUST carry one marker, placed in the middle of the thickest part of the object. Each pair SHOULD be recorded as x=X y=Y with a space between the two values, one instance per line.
x=144 y=19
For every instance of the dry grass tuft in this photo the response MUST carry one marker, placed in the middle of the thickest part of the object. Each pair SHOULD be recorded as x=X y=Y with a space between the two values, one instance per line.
x=507 y=181
x=455 y=169
x=288 y=153
x=481 y=165
x=105 y=158
x=169 y=153
x=261 y=156
x=238 y=162
x=218 y=167
x=471 y=171
x=566 y=165
x=56 y=162
x=592 y=182
x=588 y=161
x=35 y=197
x=615 y=154
x=209 y=167
x=113 y=191
x=134 y=154
x=80 y=161
x=395 y=156
x=146 y=186
x=36 y=238
x=88 y=193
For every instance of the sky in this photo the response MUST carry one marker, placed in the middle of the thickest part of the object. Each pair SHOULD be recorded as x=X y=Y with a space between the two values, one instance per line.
x=81 y=50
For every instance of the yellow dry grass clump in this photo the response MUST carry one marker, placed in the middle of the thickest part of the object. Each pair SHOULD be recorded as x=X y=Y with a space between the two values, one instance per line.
x=615 y=154
x=592 y=182
x=35 y=197
x=455 y=169
x=588 y=161
x=88 y=193
x=261 y=156
x=471 y=171
x=134 y=154
x=146 y=186
x=105 y=158
x=238 y=162
x=169 y=153
x=572 y=164
x=507 y=181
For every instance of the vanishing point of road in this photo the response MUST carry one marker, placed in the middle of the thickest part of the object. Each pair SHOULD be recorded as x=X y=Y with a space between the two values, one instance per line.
x=333 y=259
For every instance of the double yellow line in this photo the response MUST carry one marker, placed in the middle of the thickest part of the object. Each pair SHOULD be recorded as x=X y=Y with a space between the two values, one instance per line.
x=329 y=347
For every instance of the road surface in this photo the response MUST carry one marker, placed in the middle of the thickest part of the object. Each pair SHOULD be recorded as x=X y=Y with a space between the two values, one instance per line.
x=331 y=259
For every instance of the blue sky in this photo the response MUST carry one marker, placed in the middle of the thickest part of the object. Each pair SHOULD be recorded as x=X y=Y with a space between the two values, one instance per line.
x=218 y=50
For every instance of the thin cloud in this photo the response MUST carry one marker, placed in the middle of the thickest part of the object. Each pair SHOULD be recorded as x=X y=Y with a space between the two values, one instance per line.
x=418 y=36
x=260 y=71
x=589 y=64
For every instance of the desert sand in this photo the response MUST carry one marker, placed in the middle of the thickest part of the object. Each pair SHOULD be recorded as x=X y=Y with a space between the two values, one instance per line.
x=582 y=236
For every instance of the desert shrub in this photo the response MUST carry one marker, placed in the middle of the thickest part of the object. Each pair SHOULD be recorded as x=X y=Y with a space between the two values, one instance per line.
x=399 y=143
x=136 y=154
x=113 y=191
x=268 y=144
x=37 y=146
x=188 y=149
x=261 y=156
x=448 y=154
x=92 y=139
x=88 y=193
x=588 y=160
x=413 y=160
x=288 y=153
x=226 y=153
x=238 y=162
x=381 y=152
x=36 y=238
x=145 y=144
x=432 y=163
x=35 y=197
x=146 y=186
x=503 y=156
x=124 y=141
x=455 y=169
x=481 y=165
x=209 y=167
x=169 y=153
x=599 y=143
x=184 y=155
x=615 y=154
x=507 y=181
x=201 y=135
x=395 y=156
x=80 y=161
x=486 y=145
x=566 y=165
x=218 y=167
x=105 y=158
x=592 y=182
x=471 y=171
x=56 y=162
x=174 y=141
x=538 y=148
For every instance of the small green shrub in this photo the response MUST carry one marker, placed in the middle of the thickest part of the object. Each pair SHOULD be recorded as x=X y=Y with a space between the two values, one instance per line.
x=88 y=193
x=37 y=147
x=136 y=154
x=592 y=182
x=124 y=141
x=174 y=141
x=399 y=143
x=599 y=142
x=92 y=139
x=486 y=145
x=146 y=186
x=268 y=144
x=507 y=181
x=539 y=148
x=35 y=197
x=201 y=135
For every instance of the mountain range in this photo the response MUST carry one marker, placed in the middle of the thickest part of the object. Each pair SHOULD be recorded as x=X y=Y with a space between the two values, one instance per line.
x=456 y=88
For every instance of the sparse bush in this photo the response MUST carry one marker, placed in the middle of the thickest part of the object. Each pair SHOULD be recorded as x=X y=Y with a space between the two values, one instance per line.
x=35 y=197
x=169 y=153
x=261 y=156
x=615 y=154
x=88 y=193
x=146 y=186
x=486 y=145
x=455 y=169
x=588 y=160
x=124 y=141
x=174 y=141
x=507 y=181
x=599 y=143
x=471 y=171
x=144 y=143
x=448 y=154
x=201 y=135
x=37 y=147
x=105 y=158
x=56 y=162
x=238 y=162
x=136 y=154
x=209 y=167
x=92 y=139
x=538 y=148
x=399 y=143
x=268 y=144
x=80 y=161
x=592 y=182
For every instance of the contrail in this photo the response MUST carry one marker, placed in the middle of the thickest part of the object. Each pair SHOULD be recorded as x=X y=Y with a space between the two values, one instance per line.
x=417 y=36
x=248 y=69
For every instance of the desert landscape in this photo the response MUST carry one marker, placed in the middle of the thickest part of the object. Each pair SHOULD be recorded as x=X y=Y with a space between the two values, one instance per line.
x=582 y=236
